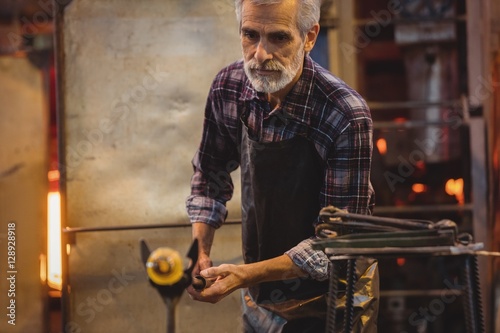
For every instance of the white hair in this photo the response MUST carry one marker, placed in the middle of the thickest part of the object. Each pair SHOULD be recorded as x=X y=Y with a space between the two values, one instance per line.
x=307 y=16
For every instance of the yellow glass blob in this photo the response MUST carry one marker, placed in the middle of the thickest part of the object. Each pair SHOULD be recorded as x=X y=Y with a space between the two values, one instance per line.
x=164 y=266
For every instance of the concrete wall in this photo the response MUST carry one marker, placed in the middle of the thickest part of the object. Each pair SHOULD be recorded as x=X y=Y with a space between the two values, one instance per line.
x=23 y=193
x=136 y=77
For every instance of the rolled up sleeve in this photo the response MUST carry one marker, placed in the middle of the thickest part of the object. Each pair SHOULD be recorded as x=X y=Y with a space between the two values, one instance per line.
x=314 y=262
x=206 y=210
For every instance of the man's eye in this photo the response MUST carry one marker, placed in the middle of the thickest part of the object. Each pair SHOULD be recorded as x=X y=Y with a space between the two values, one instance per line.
x=280 y=37
x=249 y=35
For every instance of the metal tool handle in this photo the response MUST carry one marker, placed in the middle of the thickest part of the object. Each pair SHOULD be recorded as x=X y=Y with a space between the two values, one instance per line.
x=199 y=282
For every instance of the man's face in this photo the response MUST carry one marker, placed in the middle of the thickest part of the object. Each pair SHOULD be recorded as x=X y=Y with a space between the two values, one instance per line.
x=273 y=48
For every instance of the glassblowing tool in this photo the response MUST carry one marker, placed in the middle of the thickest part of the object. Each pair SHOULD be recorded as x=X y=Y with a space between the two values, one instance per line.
x=166 y=274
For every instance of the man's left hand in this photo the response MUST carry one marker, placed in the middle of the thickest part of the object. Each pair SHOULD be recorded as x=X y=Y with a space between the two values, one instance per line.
x=222 y=281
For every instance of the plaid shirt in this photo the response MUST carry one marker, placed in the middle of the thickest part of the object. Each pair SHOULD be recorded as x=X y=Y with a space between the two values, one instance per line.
x=320 y=106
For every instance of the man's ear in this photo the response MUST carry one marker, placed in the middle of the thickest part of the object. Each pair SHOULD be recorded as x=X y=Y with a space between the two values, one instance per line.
x=311 y=38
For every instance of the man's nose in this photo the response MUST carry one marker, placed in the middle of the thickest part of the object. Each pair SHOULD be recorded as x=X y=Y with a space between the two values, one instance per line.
x=262 y=53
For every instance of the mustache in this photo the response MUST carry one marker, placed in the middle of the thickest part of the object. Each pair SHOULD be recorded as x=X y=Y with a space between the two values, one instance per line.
x=268 y=65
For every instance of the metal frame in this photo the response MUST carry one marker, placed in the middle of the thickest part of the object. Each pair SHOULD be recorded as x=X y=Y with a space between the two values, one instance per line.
x=471 y=293
x=479 y=99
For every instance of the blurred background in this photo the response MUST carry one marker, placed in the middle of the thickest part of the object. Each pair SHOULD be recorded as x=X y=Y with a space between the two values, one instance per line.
x=101 y=108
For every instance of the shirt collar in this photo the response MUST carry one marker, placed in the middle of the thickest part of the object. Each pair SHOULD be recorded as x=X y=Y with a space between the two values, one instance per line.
x=297 y=102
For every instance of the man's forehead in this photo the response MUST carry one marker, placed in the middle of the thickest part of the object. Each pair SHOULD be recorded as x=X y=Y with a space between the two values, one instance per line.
x=281 y=16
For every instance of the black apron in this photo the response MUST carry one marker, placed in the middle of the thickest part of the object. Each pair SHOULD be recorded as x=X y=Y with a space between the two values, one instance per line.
x=280 y=182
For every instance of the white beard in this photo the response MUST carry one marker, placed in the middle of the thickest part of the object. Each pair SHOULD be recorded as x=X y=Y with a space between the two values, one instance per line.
x=273 y=83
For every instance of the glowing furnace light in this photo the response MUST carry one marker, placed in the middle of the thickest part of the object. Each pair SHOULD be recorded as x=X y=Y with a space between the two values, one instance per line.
x=382 y=146
x=53 y=175
x=418 y=188
x=43 y=267
x=455 y=187
x=54 y=269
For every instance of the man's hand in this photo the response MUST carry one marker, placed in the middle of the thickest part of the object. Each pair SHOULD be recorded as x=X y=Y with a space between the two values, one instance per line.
x=222 y=280
x=226 y=278
x=205 y=235
x=204 y=262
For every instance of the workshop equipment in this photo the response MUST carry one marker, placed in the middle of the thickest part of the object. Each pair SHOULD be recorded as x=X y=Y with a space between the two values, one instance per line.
x=347 y=237
x=167 y=274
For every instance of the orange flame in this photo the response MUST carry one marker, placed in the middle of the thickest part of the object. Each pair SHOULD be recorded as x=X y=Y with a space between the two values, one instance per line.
x=418 y=188
x=456 y=187
x=382 y=146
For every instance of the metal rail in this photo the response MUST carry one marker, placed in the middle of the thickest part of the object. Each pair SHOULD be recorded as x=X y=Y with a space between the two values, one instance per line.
x=380 y=210
x=72 y=232
x=76 y=230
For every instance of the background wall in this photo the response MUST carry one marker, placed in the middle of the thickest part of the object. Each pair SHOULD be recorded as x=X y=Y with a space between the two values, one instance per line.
x=23 y=192
x=135 y=79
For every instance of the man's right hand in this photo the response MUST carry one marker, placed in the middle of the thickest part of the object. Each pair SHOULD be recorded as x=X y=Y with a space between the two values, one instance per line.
x=205 y=235
x=204 y=262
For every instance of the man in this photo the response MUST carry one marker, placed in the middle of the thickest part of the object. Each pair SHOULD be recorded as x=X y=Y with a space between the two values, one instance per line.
x=303 y=141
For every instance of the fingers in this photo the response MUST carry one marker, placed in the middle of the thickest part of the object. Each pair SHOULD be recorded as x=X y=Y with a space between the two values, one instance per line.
x=208 y=294
x=200 y=282
x=218 y=284
x=213 y=272
x=204 y=262
x=212 y=294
